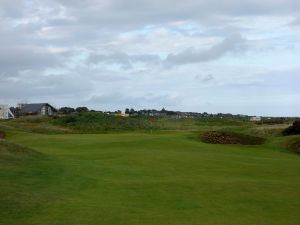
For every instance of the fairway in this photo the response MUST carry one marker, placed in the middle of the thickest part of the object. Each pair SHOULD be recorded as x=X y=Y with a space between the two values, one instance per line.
x=151 y=179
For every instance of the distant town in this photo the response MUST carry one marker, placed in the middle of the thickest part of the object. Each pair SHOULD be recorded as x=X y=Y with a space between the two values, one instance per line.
x=46 y=109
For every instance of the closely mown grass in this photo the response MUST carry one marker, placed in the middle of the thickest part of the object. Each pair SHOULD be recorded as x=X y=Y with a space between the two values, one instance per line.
x=162 y=177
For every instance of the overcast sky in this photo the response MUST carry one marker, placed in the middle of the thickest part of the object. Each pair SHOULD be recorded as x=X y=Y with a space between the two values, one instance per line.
x=193 y=55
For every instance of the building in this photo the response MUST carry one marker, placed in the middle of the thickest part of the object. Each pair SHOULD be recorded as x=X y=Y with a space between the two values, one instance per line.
x=121 y=114
x=43 y=109
x=5 y=112
x=255 y=119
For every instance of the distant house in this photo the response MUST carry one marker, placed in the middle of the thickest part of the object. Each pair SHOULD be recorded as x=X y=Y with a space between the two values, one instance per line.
x=121 y=114
x=6 y=113
x=255 y=119
x=43 y=109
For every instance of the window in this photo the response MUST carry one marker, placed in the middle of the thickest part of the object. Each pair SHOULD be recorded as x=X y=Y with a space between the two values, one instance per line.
x=43 y=111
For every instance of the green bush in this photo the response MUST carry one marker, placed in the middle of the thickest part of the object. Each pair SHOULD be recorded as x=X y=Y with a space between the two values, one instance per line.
x=292 y=130
x=95 y=121
x=218 y=137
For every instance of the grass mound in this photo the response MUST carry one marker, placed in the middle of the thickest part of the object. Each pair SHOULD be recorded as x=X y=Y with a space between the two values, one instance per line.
x=294 y=145
x=11 y=151
x=217 y=137
x=27 y=182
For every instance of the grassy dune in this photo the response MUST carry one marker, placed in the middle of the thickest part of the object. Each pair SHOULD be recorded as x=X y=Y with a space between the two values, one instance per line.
x=168 y=178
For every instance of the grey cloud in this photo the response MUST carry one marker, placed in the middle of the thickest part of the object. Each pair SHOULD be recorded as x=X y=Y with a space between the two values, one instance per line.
x=131 y=14
x=32 y=86
x=296 y=22
x=14 y=59
x=21 y=49
x=234 y=43
x=115 y=58
x=204 y=79
x=156 y=11
x=110 y=78
x=117 y=100
x=123 y=59
x=208 y=78
x=116 y=15
x=137 y=12
x=116 y=32
x=8 y=8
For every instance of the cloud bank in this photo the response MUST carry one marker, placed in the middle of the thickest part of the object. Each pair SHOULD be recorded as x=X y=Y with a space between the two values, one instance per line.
x=194 y=55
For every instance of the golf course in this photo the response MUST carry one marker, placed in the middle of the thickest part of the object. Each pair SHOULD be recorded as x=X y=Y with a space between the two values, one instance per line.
x=56 y=174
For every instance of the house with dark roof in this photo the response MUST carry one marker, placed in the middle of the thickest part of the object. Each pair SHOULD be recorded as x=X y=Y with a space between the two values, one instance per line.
x=44 y=109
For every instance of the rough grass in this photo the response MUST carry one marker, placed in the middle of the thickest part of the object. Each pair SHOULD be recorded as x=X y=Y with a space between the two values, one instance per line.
x=296 y=147
x=294 y=143
x=10 y=151
x=93 y=122
x=2 y=135
x=35 y=124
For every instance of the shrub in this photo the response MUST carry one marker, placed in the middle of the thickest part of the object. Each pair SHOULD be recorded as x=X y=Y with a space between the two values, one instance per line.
x=97 y=122
x=292 y=130
x=217 y=137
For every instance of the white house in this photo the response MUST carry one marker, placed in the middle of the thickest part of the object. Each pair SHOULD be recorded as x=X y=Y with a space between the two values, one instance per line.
x=255 y=119
x=5 y=112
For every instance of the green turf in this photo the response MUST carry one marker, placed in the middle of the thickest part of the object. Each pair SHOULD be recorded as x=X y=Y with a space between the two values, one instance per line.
x=139 y=178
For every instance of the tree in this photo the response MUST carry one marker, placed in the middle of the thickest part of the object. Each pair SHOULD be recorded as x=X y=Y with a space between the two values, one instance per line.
x=82 y=109
x=66 y=110
x=132 y=111
x=127 y=111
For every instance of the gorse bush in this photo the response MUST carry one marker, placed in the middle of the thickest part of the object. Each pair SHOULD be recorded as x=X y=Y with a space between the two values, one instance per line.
x=218 y=137
x=292 y=130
